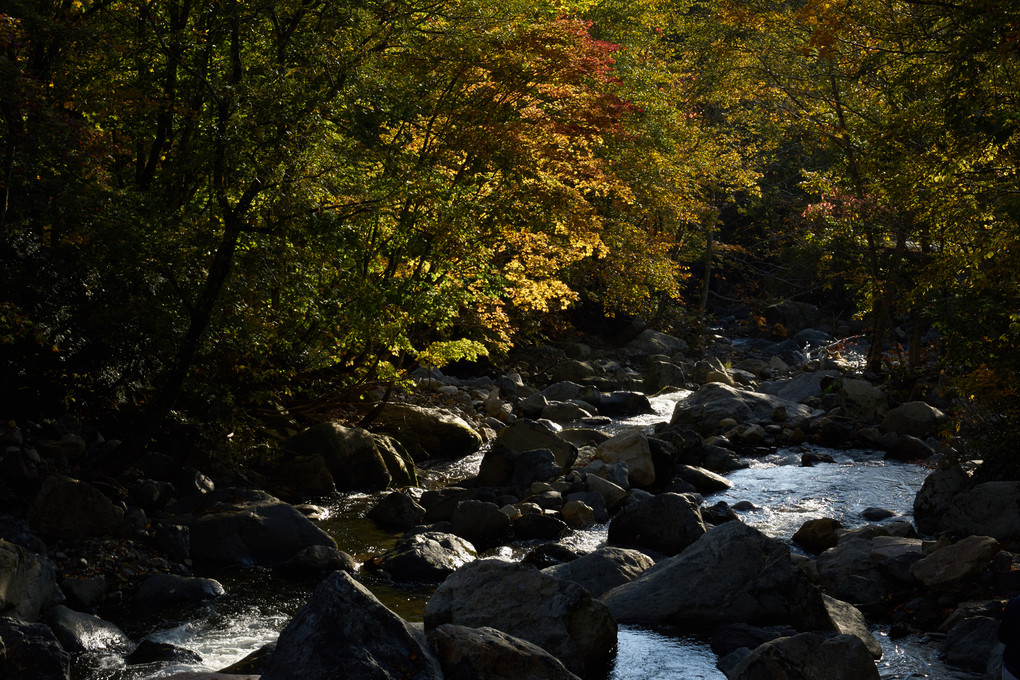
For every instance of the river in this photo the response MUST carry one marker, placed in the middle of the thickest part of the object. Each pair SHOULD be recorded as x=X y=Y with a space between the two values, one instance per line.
x=784 y=495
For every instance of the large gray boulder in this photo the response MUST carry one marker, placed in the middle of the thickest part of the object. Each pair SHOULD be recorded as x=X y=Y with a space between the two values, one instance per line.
x=480 y=522
x=861 y=401
x=558 y=616
x=31 y=650
x=848 y=620
x=654 y=342
x=850 y=571
x=914 y=418
x=936 y=495
x=71 y=509
x=808 y=656
x=605 y=569
x=630 y=447
x=489 y=654
x=800 y=387
x=665 y=523
x=353 y=456
x=79 y=633
x=345 y=632
x=429 y=432
x=958 y=564
x=428 y=557
x=971 y=642
x=705 y=409
x=525 y=435
x=734 y=573
x=247 y=527
x=28 y=583
x=988 y=509
x=662 y=374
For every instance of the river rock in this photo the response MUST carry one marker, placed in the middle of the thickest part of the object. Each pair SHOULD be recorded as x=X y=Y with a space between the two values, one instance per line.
x=808 y=656
x=612 y=494
x=793 y=315
x=936 y=495
x=914 y=418
x=623 y=404
x=733 y=573
x=150 y=652
x=955 y=564
x=489 y=654
x=578 y=514
x=630 y=447
x=660 y=375
x=345 y=632
x=31 y=650
x=28 y=583
x=536 y=465
x=605 y=569
x=705 y=481
x=565 y=412
x=352 y=455
x=654 y=342
x=480 y=522
x=427 y=557
x=314 y=563
x=707 y=409
x=818 y=535
x=988 y=509
x=572 y=370
x=429 y=432
x=861 y=401
x=78 y=632
x=70 y=509
x=848 y=620
x=801 y=387
x=909 y=448
x=397 y=511
x=730 y=637
x=583 y=436
x=666 y=523
x=559 y=616
x=525 y=435
x=162 y=590
x=969 y=643
x=850 y=572
x=248 y=527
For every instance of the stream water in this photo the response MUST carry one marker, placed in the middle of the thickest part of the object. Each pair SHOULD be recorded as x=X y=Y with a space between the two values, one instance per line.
x=784 y=495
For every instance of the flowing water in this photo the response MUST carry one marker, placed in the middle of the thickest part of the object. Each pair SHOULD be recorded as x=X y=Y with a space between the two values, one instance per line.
x=784 y=496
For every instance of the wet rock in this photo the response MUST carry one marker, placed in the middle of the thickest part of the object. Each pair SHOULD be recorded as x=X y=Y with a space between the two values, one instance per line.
x=480 y=522
x=70 y=509
x=876 y=514
x=988 y=509
x=28 y=583
x=909 y=448
x=537 y=465
x=605 y=569
x=550 y=555
x=613 y=472
x=540 y=526
x=489 y=654
x=565 y=412
x=630 y=447
x=812 y=458
x=936 y=495
x=31 y=650
x=622 y=404
x=733 y=573
x=84 y=592
x=78 y=632
x=429 y=432
x=162 y=590
x=150 y=651
x=706 y=409
x=808 y=656
x=174 y=540
x=914 y=418
x=818 y=535
x=428 y=557
x=315 y=563
x=666 y=523
x=583 y=436
x=525 y=435
x=397 y=511
x=970 y=643
x=557 y=615
x=705 y=481
x=253 y=664
x=344 y=629
x=961 y=562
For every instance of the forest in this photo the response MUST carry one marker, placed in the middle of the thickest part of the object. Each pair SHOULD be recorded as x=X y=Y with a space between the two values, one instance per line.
x=216 y=208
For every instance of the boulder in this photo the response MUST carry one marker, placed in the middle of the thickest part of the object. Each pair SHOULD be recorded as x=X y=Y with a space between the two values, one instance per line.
x=622 y=404
x=345 y=632
x=666 y=523
x=601 y=571
x=708 y=408
x=70 y=509
x=163 y=590
x=936 y=495
x=612 y=494
x=808 y=656
x=539 y=526
x=794 y=316
x=660 y=375
x=970 y=643
x=578 y=514
x=730 y=637
x=28 y=583
x=78 y=632
x=525 y=435
x=705 y=481
x=31 y=650
x=654 y=342
x=565 y=412
x=427 y=557
x=909 y=448
x=480 y=522
x=247 y=527
x=630 y=447
x=800 y=387
x=352 y=455
x=861 y=401
x=315 y=563
x=850 y=572
x=914 y=418
x=583 y=436
x=557 y=615
x=988 y=509
x=397 y=512
x=956 y=564
x=848 y=620
x=734 y=573
x=489 y=654
x=150 y=652
x=572 y=370
x=429 y=432
x=537 y=465
x=818 y=535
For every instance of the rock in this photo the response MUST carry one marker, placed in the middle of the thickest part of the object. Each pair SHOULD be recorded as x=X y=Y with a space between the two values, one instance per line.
x=706 y=409
x=344 y=631
x=565 y=412
x=818 y=535
x=936 y=495
x=914 y=418
x=909 y=448
x=83 y=592
x=537 y=465
x=489 y=654
x=253 y=664
x=630 y=447
x=31 y=650
x=660 y=375
x=525 y=435
x=623 y=404
x=429 y=432
x=241 y=526
x=969 y=644
x=300 y=477
x=314 y=563
x=578 y=514
x=793 y=316
x=572 y=370
x=397 y=512
x=352 y=455
x=583 y=436
x=861 y=401
x=162 y=590
x=654 y=342
x=550 y=555
x=705 y=481
x=69 y=509
x=540 y=526
x=480 y=522
x=733 y=573
x=812 y=338
x=955 y=564
x=808 y=656
x=28 y=583
x=427 y=557
x=78 y=632
x=601 y=571
x=614 y=472
x=848 y=620
x=988 y=509
x=150 y=651
x=557 y=615
x=850 y=573
x=876 y=514
x=612 y=494
x=666 y=523
x=730 y=637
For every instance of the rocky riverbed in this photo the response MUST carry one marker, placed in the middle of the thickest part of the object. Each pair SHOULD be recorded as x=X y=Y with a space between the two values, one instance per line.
x=84 y=558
